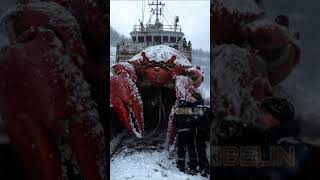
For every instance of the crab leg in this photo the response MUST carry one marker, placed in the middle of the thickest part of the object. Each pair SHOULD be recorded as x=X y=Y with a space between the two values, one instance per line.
x=85 y=131
x=36 y=147
x=126 y=99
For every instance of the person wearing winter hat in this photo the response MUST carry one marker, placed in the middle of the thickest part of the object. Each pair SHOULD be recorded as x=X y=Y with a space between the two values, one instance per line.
x=190 y=121
x=202 y=132
x=280 y=129
x=185 y=125
x=275 y=111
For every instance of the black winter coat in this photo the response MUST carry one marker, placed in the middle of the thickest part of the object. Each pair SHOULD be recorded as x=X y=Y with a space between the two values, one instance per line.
x=191 y=115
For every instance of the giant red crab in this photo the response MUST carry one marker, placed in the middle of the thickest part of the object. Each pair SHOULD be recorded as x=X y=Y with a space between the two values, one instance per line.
x=254 y=51
x=157 y=66
x=46 y=103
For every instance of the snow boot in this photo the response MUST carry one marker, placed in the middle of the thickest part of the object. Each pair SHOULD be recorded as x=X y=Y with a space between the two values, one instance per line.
x=192 y=169
x=181 y=165
x=204 y=170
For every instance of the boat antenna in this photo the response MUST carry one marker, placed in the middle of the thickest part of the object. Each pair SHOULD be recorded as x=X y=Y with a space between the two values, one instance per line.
x=157 y=10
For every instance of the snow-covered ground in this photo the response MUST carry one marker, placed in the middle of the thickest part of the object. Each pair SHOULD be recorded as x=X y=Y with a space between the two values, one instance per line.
x=146 y=158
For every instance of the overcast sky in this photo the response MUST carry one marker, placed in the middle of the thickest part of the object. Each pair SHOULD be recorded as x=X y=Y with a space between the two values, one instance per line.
x=194 y=18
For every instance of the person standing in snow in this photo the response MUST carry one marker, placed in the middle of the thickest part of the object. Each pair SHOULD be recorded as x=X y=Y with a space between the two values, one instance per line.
x=201 y=116
x=185 y=125
x=192 y=126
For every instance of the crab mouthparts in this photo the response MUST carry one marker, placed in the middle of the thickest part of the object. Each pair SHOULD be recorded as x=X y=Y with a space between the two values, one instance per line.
x=134 y=124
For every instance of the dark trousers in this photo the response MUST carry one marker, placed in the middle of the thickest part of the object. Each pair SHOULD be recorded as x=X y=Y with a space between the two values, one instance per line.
x=186 y=142
x=201 y=137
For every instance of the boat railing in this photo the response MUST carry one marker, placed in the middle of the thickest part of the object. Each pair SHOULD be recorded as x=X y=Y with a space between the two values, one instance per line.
x=171 y=28
x=138 y=46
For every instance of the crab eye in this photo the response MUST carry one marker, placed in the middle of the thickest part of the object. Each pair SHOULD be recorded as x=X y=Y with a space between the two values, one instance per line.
x=174 y=57
x=144 y=56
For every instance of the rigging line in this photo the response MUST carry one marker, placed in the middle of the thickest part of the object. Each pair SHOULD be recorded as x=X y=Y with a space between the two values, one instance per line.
x=167 y=11
x=137 y=14
x=160 y=112
x=169 y=16
x=164 y=17
x=149 y=21
x=151 y=14
x=143 y=10
x=167 y=21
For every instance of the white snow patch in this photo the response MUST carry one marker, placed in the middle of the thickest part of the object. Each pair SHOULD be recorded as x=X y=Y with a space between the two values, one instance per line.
x=162 y=53
x=182 y=84
x=145 y=165
x=232 y=71
x=145 y=159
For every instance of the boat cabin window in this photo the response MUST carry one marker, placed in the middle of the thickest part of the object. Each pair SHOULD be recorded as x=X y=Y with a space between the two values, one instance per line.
x=179 y=39
x=134 y=39
x=157 y=39
x=165 y=38
x=173 y=39
x=140 y=38
x=149 y=38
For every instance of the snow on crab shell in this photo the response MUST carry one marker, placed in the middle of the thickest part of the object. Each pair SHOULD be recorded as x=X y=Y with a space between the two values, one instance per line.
x=233 y=68
x=162 y=53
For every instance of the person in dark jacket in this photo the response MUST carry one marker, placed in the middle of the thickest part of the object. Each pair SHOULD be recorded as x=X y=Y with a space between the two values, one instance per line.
x=185 y=124
x=192 y=126
x=201 y=116
x=276 y=128
x=280 y=129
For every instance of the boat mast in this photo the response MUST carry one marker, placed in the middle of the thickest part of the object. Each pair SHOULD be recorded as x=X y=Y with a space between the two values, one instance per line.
x=157 y=11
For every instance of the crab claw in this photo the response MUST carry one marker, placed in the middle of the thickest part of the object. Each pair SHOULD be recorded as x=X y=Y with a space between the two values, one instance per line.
x=126 y=101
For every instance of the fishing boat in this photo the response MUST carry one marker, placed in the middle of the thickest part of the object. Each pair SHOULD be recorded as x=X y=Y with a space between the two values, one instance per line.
x=154 y=32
